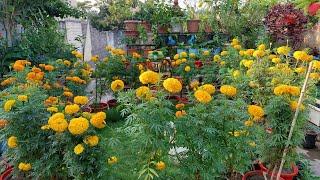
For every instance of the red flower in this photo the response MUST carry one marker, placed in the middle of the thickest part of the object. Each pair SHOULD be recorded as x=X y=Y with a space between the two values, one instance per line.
x=313 y=8
x=198 y=64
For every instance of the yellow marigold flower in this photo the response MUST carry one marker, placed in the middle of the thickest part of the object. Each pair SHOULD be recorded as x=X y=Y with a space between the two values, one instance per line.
x=206 y=53
x=78 y=126
x=222 y=63
x=19 y=65
x=78 y=149
x=286 y=89
x=252 y=144
x=24 y=166
x=143 y=92
x=256 y=111
x=228 y=90
x=98 y=120
x=81 y=100
x=180 y=106
x=95 y=58
x=258 y=53
x=181 y=113
x=187 y=68
x=42 y=65
x=234 y=41
x=203 y=96
x=176 y=57
x=149 y=77
x=12 y=142
x=316 y=65
x=194 y=84
x=8 y=105
x=241 y=52
x=68 y=94
x=48 y=68
x=315 y=76
x=172 y=85
x=294 y=106
x=300 y=70
x=271 y=56
x=52 y=109
x=224 y=53
x=183 y=54
x=249 y=52
x=283 y=50
x=71 y=109
x=262 y=47
x=58 y=123
x=160 y=165
x=117 y=85
x=248 y=63
x=235 y=133
x=301 y=55
x=91 y=140
x=67 y=63
x=276 y=60
x=45 y=127
x=112 y=160
x=237 y=47
x=192 y=55
x=209 y=88
x=216 y=58
x=8 y=81
x=248 y=123
x=23 y=98
x=236 y=74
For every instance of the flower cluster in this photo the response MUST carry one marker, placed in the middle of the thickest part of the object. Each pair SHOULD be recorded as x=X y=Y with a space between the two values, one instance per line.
x=286 y=89
x=149 y=77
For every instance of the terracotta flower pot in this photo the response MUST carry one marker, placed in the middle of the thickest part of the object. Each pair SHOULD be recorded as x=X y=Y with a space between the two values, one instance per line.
x=6 y=174
x=207 y=28
x=146 y=25
x=193 y=25
x=131 y=34
x=162 y=29
x=285 y=176
x=131 y=25
x=252 y=175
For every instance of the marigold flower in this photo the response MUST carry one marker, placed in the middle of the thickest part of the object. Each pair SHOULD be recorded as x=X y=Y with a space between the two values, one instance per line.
x=180 y=106
x=78 y=149
x=316 y=65
x=172 y=85
x=81 y=100
x=294 y=106
x=203 y=96
x=176 y=57
x=8 y=105
x=216 y=58
x=248 y=123
x=45 y=127
x=206 y=53
x=24 y=166
x=8 y=81
x=315 y=76
x=91 y=140
x=3 y=123
x=224 y=53
x=276 y=60
x=48 y=68
x=302 y=56
x=283 y=50
x=112 y=160
x=149 y=77
x=52 y=109
x=194 y=84
x=12 y=142
x=262 y=47
x=300 y=70
x=95 y=58
x=117 y=85
x=67 y=63
x=68 y=94
x=252 y=144
x=236 y=74
x=192 y=55
x=258 y=53
x=187 y=68
x=57 y=122
x=209 y=88
x=143 y=92
x=249 y=52
x=286 y=89
x=160 y=165
x=237 y=47
x=98 y=120
x=78 y=126
x=256 y=111
x=71 y=109
x=271 y=56
x=181 y=113
x=183 y=54
x=228 y=90
x=23 y=98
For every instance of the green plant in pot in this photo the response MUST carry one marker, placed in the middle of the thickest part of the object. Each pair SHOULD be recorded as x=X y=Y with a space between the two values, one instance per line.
x=193 y=22
x=177 y=20
x=162 y=16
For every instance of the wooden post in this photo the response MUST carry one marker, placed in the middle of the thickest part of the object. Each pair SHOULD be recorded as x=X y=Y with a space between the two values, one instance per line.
x=294 y=120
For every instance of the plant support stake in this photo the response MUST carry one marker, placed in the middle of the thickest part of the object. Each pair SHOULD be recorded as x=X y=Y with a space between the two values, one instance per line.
x=294 y=120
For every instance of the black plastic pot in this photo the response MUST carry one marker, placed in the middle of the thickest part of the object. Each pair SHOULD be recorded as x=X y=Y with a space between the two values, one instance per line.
x=310 y=140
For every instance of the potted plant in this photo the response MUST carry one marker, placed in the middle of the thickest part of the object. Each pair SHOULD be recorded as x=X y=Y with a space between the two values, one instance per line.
x=177 y=20
x=256 y=175
x=310 y=137
x=193 y=23
x=162 y=16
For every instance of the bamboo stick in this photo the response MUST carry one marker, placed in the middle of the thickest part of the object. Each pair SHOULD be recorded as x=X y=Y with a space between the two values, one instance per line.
x=294 y=120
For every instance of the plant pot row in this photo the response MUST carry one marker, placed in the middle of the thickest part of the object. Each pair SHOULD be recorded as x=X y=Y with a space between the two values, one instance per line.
x=132 y=25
